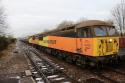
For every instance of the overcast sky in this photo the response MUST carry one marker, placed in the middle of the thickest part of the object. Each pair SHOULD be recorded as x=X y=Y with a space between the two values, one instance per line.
x=33 y=16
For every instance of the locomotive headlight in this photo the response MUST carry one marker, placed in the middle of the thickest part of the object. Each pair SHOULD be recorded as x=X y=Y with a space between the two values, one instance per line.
x=110 y=40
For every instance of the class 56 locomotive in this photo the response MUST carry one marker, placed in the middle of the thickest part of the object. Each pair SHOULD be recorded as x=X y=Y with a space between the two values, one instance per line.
x=93 y=39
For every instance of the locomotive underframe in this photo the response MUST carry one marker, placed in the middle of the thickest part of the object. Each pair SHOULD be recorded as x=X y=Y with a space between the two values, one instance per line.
x=82 y=60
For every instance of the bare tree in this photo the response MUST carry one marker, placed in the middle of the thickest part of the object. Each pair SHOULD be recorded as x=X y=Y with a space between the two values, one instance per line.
x=81 y=20
x=118 y=14
x=46 y=30
x=64 y=24
x=3 y=22
x=110 y=21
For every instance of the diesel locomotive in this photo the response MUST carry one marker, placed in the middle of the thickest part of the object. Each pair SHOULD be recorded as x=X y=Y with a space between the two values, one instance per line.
x=90 y=42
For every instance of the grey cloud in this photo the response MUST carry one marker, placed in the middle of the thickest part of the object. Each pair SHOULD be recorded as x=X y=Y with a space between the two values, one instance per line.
x=32 y=16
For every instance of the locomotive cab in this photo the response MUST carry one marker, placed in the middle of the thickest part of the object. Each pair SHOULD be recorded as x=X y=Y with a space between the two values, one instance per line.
x=98 y=40
x=106 y=40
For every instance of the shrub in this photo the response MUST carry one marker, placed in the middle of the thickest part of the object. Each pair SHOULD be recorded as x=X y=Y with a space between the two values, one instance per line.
x=5 y=41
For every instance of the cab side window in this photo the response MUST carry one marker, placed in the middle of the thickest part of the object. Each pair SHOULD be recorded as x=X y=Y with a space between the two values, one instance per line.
x=33 y=37
x=84 y=33
x=40 y=37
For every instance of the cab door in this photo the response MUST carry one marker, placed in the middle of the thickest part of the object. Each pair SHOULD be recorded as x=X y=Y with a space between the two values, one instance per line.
x=84 y=41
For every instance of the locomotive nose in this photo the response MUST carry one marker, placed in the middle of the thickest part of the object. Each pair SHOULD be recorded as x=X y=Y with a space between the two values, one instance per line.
x=107 y=46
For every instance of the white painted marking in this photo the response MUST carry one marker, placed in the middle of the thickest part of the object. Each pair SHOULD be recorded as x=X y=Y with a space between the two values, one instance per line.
x=40 y=82
x=57 y=66
x=44 y=68
x=53 y=76
x=65 y=82
x=38 y=79
x=34 y=72
x=61 y=68
x=57 y=79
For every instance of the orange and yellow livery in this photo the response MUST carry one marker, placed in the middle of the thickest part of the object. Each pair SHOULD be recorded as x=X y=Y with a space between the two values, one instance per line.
x=91 y=38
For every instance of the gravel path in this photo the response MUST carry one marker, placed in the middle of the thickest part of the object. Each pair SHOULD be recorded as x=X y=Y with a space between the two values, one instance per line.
x=12 y=62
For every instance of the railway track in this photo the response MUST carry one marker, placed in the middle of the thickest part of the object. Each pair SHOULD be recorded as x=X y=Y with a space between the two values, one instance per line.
x=104 y=77
x=46 y=71
x=107 y=75
x=110 y=74
x=117 y=70
x=115 y=73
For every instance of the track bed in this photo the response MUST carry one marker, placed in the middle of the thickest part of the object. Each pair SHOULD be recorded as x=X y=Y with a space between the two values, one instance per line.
x=85 y=75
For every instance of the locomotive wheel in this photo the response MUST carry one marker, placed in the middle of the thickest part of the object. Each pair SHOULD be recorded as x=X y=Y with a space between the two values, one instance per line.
x=63 y=56
x=99 y=66
x=81 y=62
x=69 y=59
x=115 y=62
x=78 y=62
x=59 y=55
x=53 y=52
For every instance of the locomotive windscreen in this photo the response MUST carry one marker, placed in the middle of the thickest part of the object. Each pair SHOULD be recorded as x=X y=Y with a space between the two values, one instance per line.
x=105 y=31
x=112 y=31
x=100 y=31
